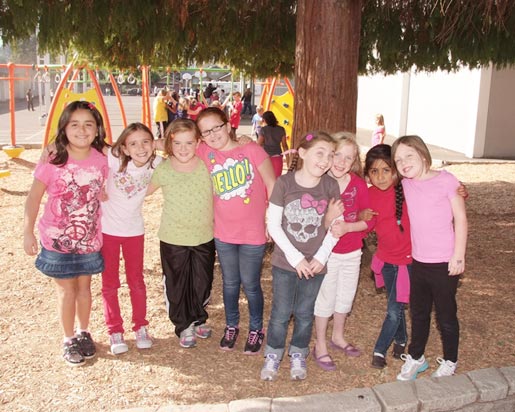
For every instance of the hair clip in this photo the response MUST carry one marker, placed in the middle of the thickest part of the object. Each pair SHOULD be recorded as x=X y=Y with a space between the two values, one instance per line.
x=91 y=106
x=309 y=137
x=289 y=151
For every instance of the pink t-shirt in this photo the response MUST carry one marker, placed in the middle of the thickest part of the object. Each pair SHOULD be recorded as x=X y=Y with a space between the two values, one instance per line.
x=71 y=220
x=431 y=218
x=354 y=198
x=240 y=197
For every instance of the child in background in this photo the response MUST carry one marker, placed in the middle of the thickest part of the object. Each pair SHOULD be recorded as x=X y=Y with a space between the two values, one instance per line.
x=243 y=178
x=379 y=132
x=131 y=163
x=69 y=228
x=391 y=263
x=273 y=139
x=235 y=112
x=161 y=112
x=295 y=216
x=338 y=289
x=439 y=238
x=186 y=232
x=257 y=119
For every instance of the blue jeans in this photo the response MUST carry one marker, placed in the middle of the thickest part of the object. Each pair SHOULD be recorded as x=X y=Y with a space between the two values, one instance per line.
x=241 y=266
x=394 y=324
x=292 y=296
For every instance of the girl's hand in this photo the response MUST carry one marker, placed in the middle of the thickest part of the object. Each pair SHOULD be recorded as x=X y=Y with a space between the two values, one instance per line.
x=462 y=191
x=48 y=152
x=334 y=209
x=339 y=228
x=30 y=244
x=456 y=265
x=367 y=215
x=316 y=266
x=304 y=269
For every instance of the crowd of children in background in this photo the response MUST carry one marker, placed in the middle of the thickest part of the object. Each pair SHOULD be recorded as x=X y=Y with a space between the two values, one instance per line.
x=317 y=215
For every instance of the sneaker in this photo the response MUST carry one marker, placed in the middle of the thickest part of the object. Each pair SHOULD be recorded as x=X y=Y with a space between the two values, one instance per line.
x=411 y=368
x=143 y=339
x=229 y=339
x=203 y=331
x=378 y=362
x=187 y=338
x=72 y=353
x=254 y=342
x=86 y=345
x=446 y=368
x=118 y=344
x=270 y=368
x=298 y=369
x=398 y=350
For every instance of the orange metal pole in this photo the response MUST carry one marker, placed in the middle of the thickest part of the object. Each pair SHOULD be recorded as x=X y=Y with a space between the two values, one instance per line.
x=10 y=66
x=289 y=86
x=145 y=91
x=271 y=93
x=107 y=122
x=118 y=99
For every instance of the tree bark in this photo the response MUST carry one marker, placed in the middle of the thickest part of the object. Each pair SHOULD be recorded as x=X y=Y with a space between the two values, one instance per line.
x=326 y=66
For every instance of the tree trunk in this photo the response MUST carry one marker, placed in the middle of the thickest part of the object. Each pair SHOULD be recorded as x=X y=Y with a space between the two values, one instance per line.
x=326 y=66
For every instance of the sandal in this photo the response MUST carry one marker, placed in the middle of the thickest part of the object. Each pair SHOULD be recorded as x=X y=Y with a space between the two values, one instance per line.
x=325 y=365
x=349 y=349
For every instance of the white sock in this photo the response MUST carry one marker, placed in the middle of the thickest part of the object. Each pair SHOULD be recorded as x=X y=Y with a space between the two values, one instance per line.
x=379 y=354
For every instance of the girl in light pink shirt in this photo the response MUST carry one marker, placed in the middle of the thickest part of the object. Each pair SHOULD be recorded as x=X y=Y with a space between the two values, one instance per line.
x=439 y=238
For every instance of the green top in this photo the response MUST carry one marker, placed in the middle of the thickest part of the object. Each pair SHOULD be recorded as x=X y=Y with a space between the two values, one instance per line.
x=187 y=218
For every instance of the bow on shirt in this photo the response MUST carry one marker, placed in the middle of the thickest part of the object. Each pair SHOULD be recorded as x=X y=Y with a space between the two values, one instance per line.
x=307 y=201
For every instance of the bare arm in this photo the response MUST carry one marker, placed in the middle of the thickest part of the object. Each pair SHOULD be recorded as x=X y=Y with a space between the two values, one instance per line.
x=261 y=140
x=37 y=190
x=457 y=262
x=266 y=171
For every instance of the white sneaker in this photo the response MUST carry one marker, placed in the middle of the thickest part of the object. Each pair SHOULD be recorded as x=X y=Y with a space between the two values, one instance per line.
x=118 y=344
x=446 y=368
x=270 y=368
x=411 y=367
x=143 y=339
x=298 y=369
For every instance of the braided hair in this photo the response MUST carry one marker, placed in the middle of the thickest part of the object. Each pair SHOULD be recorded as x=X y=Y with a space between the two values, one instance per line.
x=384 y=152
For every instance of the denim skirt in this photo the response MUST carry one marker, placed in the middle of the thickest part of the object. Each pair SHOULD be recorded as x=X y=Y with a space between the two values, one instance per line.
x=68 y=265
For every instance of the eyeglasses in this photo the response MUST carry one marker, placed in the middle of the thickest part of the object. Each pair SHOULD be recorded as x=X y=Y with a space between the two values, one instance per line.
x=215 y=129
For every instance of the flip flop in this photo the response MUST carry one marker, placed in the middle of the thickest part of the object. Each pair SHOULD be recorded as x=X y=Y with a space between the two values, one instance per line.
x=349 y=349
x=325 y=365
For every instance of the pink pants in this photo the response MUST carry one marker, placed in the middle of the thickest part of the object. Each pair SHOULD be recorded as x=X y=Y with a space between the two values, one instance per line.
x=277 y=163
x=132 y=251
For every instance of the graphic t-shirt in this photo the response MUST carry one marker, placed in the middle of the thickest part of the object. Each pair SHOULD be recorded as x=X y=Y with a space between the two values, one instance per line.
x=71 y=219
x=240 y=193
x=236 y=114
x=303 y=215
x=273 y=137
x=121 y=212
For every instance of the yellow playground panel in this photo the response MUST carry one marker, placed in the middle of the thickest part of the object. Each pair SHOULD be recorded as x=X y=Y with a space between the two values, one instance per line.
x=280 y=105
x=66 y=97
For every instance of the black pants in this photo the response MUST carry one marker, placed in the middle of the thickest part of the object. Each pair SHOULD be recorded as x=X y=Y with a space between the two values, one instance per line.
x=431 y=283
x=188 y=278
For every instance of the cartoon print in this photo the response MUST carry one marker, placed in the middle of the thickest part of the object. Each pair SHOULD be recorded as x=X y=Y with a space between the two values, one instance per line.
x=304 y=217
x=349 y=198
x=233 y=178
x=131 y=185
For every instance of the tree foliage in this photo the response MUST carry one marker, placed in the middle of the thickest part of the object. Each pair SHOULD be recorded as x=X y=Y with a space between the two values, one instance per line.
x=258 y=36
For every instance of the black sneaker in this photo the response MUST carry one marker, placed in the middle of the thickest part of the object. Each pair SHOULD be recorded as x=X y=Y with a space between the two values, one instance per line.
x=72 y=353
x=86 y=345
x=398 y=350
x=254 y=342
x=229 y=339
x=378 y=362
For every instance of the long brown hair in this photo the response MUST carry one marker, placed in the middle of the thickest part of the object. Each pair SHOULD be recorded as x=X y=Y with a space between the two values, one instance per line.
x=307 y=142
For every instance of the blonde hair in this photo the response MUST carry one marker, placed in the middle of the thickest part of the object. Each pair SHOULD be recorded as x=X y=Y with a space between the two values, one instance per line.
x=415 y=142
x=348 y=138
x=178 y=126
x=380 y=119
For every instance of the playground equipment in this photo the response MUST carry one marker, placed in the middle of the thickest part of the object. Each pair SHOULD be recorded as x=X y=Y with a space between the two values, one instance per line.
x=281 y=105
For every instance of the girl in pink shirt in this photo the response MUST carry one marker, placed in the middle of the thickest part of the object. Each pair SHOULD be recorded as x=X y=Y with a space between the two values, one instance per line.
x=439 y=238
x=243 y=179
x=69 y=229
x=338 y=289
